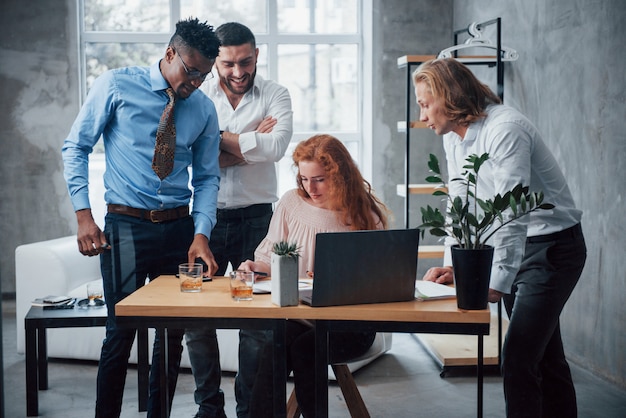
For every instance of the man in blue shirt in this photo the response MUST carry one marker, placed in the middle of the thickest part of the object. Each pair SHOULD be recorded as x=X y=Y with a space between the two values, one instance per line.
x=148 y=229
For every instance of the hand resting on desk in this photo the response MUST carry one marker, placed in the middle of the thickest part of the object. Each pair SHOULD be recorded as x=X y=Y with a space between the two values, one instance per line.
x=441 y=275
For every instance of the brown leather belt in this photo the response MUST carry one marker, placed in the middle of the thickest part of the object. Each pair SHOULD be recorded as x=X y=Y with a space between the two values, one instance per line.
x=253 y=211
x=155 y=216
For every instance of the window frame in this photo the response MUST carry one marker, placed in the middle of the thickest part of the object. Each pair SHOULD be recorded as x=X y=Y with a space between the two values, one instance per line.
x=361 y=136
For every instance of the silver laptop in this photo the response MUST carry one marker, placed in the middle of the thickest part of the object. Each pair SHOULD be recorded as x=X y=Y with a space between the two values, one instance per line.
x=359 y=267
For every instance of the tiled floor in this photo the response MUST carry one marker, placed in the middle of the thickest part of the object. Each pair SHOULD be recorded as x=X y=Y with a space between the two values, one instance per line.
x=403 y=383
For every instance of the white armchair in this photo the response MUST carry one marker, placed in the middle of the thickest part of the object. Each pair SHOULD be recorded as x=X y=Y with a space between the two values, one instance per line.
x=55 y=267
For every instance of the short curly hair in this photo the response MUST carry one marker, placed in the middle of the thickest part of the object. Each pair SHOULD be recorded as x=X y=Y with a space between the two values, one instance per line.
x=193 y=34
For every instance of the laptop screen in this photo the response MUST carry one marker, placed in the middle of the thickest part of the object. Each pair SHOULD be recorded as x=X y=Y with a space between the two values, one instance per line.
x=359 y=267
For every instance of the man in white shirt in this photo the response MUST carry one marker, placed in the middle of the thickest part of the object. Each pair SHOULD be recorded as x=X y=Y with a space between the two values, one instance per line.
x=256 y=124
x=538 y=259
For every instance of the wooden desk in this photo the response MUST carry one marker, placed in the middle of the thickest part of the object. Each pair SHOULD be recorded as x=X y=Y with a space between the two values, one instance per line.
x=438 y=317
x=161 y=305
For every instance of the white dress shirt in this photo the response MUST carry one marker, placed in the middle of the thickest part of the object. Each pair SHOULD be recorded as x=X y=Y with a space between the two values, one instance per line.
x=254 y=182
x=517 y=154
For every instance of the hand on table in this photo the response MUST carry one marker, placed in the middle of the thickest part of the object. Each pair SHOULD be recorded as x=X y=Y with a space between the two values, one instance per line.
x=260 y=269
x=441 y=275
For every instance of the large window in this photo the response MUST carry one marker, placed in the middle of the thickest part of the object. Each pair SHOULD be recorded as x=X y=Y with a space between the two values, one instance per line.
x=313 y=47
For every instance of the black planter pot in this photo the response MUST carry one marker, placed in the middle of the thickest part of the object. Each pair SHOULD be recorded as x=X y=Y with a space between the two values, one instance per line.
x=472 y=270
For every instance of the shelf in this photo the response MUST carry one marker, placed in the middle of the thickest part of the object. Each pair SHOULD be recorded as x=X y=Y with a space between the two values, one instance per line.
x=418 y=189
x=405 y=60
x=490 y=60
x=451 y=351
x=430 y=251
x=414 y=124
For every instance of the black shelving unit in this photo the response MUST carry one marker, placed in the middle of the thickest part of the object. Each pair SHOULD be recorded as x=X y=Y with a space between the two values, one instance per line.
x=409 y=63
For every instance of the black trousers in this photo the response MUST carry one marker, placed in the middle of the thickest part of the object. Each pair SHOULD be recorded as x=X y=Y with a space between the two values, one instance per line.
x=139 y=249
x=300 y=341
x=537 y=378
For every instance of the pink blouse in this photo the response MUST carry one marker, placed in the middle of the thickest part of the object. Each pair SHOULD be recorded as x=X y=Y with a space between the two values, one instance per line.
x=296 y=220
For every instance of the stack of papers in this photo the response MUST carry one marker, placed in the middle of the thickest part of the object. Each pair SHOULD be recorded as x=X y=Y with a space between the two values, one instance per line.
x=426 y=290
x=265 y=286
x=54 y=302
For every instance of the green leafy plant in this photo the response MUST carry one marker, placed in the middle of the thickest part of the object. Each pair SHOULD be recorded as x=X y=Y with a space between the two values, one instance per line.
x=462 y=220
x=286 y=249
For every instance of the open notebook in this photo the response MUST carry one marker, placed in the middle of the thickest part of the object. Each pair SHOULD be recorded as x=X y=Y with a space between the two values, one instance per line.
x=425 y=290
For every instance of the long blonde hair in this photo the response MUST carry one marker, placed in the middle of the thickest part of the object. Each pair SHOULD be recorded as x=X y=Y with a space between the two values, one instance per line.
x=465 y=97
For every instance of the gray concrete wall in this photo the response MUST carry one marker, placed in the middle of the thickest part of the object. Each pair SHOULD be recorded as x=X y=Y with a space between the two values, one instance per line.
x=569 y=80
x=400 y=28
x=39 y=99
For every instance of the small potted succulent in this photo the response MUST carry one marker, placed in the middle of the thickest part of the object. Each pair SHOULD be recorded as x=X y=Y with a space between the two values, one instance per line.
x=471 y=221
x=284 y=260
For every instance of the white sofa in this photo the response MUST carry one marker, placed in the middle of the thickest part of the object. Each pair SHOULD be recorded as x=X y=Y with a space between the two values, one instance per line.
x=55 y=267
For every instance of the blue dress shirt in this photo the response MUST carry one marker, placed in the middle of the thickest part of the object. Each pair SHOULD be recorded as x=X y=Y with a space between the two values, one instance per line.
x=124 y=106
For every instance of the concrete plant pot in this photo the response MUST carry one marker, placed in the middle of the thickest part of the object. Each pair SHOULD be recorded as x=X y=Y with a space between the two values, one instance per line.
x=284 y=280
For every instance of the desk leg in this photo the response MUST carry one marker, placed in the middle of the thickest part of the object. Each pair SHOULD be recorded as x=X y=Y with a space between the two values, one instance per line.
x=42 y=358
x=143 y=370
x=164 y=392
x=32 y=401
x=479 y=374
x=280 y=369
x=321 y=369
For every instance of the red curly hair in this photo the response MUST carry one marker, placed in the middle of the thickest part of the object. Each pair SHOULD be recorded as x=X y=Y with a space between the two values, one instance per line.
x=350 y=194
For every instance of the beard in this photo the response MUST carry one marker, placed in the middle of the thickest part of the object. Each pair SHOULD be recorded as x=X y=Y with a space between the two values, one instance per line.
x=237 y=89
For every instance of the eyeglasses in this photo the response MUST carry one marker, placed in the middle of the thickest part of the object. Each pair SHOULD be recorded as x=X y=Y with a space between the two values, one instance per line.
x=194 y=74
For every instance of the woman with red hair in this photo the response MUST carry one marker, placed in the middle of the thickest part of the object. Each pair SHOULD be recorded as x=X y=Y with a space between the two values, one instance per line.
x=332 y=196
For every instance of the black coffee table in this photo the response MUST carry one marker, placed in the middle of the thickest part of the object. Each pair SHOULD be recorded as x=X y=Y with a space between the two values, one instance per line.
x=38 y=320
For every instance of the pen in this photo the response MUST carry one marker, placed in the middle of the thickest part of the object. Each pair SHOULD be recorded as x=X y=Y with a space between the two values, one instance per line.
x=260 y=273
x=204 y=278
